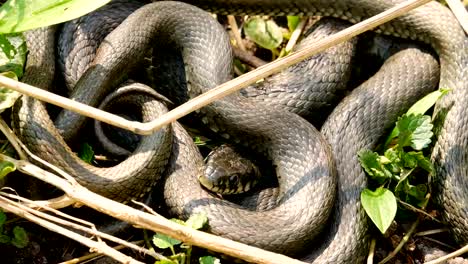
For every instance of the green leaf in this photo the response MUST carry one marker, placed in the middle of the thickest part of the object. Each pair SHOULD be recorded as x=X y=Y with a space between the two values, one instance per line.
x=293 y=21
x=86 y=153
x=265 y=33
x=415 y=131
x=423 y=162
x=372 y=164
x=20 y=237
x=197 y=221
x=8 y=97
x=380 y=206
x=22 y=15
x=5 y=168
x=4 y=239
x=209 y=260
x=419 y=191
x=13 y=55
x=408 y=160
x=420 y=107
x=428 y=101
x=163 y=241
x=7 y=48
x=3 y=218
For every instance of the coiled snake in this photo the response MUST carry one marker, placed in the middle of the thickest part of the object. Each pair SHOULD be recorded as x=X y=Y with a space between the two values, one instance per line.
x=305 y=163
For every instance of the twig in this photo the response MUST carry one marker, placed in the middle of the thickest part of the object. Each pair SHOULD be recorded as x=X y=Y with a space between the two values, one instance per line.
x=94 y=255
x=56 y=203
x=88 y=230
x=235 y=31
x=402 y=242
x=370 y=257
x=246 y=57
x=295 y=35
x=12 y=139
x=221 y=90
x=460 y=13
x=155 y=223
x=99 y=246
x=439 y=242
x=431 y=232
x=417 y=210
x=454 y=254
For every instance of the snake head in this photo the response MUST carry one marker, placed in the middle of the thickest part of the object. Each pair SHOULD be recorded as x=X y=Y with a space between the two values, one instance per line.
x=227 y=172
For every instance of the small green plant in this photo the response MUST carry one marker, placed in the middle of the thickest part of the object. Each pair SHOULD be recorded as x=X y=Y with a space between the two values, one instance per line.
x=196 y=221
x=16 y=237
x=267 y=34
x=22 y=15
x=86 y=153
x=401 y=171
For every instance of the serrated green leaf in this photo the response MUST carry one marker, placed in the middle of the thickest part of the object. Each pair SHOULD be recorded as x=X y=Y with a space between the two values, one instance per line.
x=20 y=237
x=293 y=21
x=264 y=32
x=197 y=221
x=209 y=260
x=86 y=153
x=420 y=107
x=423 y=162
x=380 y=206
x=163 y=241
x=5 y=168
x=371 y=163
x=22 y=15
x=414 y=131
x=408 y=160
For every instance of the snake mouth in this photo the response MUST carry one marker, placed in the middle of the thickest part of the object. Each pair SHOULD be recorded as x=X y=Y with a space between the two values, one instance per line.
x=207 y=184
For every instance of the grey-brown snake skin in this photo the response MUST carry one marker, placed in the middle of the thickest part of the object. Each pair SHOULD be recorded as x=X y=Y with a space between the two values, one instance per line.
x=304 y=158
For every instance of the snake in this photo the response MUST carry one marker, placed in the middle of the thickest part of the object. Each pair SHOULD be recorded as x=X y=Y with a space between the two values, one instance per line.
x=308 y=160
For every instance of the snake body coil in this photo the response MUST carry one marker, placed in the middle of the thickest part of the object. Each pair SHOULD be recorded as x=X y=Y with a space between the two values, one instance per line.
x=291 y=143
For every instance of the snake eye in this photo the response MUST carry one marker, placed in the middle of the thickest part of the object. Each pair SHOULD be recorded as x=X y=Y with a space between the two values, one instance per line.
x=234 y=178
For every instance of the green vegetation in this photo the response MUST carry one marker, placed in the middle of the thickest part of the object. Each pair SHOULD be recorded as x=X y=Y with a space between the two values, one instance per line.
x=268 y=35
x=401 y=171
x=22 y=15
x=196 y=221
x=16 y=237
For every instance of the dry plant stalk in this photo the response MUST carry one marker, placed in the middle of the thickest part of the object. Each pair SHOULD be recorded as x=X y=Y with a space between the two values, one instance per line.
x=158 y=223
x=221 y=90
x=141 y=219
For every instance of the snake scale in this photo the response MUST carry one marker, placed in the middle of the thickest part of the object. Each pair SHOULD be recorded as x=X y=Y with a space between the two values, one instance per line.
x=304 y=158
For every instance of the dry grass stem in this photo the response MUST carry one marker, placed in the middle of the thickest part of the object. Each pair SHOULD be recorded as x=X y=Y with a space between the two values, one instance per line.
x=431 y=232
x=295 y=35
x=90 y=230
x=460 y=13
x=96 y=255
x=454 y=254
x=370 y=256
x=235 y=32
x=223 y=89
x=98 y=246
x=147 y=221
x=403 y=241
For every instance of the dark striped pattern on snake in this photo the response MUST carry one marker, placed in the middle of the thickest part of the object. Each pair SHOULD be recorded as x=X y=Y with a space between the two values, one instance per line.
x=296 y=148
